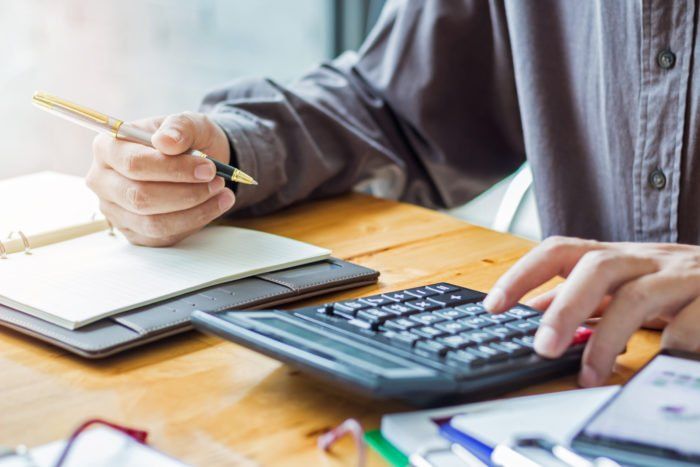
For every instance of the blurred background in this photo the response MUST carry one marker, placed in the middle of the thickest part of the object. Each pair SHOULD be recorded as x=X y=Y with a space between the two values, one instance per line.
x=139 y=58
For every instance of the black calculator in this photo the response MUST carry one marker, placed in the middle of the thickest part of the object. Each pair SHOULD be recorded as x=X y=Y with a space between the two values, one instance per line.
x=423 y=345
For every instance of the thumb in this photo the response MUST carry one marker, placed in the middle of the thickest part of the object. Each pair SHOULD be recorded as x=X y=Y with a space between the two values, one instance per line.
x=181 y=132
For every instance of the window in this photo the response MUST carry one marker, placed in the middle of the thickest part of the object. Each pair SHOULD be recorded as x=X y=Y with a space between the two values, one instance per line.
x=139 y=58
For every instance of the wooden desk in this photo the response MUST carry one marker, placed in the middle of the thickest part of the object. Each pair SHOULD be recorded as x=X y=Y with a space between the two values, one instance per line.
x=210 y=402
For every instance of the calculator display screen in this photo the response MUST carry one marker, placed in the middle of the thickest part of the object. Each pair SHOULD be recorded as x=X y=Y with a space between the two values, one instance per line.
x=659 y=407
x=328 y=343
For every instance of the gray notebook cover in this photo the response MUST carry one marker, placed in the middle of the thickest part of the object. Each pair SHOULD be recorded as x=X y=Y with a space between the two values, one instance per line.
x=153 y=322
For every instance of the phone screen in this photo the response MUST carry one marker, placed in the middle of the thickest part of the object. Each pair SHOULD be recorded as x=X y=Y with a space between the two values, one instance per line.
x=659 y=407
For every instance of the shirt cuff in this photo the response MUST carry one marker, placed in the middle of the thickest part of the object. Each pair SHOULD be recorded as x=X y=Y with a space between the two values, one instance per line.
x=254 y=151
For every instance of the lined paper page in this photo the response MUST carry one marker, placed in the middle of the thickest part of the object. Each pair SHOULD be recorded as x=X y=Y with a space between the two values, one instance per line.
x=79 y=281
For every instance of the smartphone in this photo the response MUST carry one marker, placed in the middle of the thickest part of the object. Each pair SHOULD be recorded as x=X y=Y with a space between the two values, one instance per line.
x=654 y=419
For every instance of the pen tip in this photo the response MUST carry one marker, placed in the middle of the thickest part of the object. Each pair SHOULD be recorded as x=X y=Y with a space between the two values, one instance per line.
x=242 y=177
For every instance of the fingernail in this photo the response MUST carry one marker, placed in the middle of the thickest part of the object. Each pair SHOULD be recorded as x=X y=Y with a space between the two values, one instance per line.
x=495 y=299
x=173 y=133
x=546 y=341
x=588 y=377
x=226 y=200
x=216 y=185
x=204 y=171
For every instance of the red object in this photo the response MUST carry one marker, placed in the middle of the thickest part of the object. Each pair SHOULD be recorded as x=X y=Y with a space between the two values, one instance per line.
x=138 y=435
x=581 y=336
x=348 y=427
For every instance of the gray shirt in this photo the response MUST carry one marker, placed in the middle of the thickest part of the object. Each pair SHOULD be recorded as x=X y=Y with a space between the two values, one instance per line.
x=448 y=96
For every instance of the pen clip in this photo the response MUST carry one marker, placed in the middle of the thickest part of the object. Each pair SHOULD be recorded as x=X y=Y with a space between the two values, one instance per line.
x=49 y=101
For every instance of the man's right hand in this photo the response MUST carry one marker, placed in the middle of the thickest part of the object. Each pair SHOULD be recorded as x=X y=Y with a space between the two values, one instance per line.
x=157 y=197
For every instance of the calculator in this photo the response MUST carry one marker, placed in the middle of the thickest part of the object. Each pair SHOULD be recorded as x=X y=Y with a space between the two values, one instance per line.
x=423 y=345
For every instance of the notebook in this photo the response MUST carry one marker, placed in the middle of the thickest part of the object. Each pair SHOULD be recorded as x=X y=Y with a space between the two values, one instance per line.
x=78 y=272
x=555 y=415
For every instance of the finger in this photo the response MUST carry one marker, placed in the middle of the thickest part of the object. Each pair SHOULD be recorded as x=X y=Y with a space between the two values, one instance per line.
x=151 y=197
x=141 y=240
x=139 y=162
x=162 y=226
x=597 y=274
x=178 y=133
x=633 y=304
x=542 y=301
x=683 y=332
x=556 y=256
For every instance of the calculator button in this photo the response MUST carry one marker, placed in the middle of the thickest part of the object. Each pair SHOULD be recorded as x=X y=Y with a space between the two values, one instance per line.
x=522 y=313
x=376 y=300
x=537 y=319
x=374 y=315
x=500 y=318
x=475 y=322
x=421 y=292
x=525 y=327
x=480 y=337
x=455 y=342
x=492 y=354
x=453 y=327
x=326 y=309
x=456 y=298
x=427 y=318
x=428 y=332
x=451 y=313
x=430 y=348
x=423 y=305
x=351 y=306
x=362 y=324
x=402 y=338
x=399 y=296
x=400 y=324
x=350 y=314
x=526 y=341
x=443 y=287
x=465 y=358
x=512 y=348
x=399 y=309
x=503 y=332
x=472 y=309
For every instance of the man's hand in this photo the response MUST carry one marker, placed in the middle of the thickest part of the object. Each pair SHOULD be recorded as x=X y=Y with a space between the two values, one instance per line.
x=634 y=283
x=157 y=197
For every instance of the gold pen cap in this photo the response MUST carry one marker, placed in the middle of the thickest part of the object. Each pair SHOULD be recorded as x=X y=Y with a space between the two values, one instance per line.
x=76 y=113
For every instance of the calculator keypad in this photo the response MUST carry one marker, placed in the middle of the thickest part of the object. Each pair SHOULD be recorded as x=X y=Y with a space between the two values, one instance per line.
x=445 y=323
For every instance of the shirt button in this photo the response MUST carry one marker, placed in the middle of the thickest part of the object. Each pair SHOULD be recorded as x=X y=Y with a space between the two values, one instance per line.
x=666 y=59
x=657 y=179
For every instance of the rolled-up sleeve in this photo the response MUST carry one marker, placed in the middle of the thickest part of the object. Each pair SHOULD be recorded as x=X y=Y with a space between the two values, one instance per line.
x=388 y=112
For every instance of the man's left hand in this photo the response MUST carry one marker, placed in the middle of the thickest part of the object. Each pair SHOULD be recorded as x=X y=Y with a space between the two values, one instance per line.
x=634 y=283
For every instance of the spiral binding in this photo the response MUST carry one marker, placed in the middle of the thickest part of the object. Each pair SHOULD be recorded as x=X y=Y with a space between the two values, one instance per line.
x=28 y=245
x=25 y=241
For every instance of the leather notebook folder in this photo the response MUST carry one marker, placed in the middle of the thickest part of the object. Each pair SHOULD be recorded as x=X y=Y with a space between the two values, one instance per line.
x=153 y=322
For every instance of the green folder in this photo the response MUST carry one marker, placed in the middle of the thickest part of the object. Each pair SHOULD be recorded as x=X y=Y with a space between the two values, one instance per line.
x=388 y=451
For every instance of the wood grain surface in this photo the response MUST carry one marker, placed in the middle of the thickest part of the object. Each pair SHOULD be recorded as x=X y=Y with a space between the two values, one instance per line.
x=209 y=402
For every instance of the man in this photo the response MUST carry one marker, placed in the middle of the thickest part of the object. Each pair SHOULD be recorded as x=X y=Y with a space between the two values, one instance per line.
x=445 y=98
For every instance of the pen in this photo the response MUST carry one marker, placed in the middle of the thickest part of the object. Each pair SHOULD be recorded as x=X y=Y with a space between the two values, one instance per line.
x=121 y=130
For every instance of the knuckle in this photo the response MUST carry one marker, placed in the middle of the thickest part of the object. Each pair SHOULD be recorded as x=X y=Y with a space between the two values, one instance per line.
x=633 y=292
x=153 y=226
x=556 y=244
x=681 y=337
x=100 y=144
x=138 y=197
x=91 y=179
x=600 y=261
x=133 y=163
